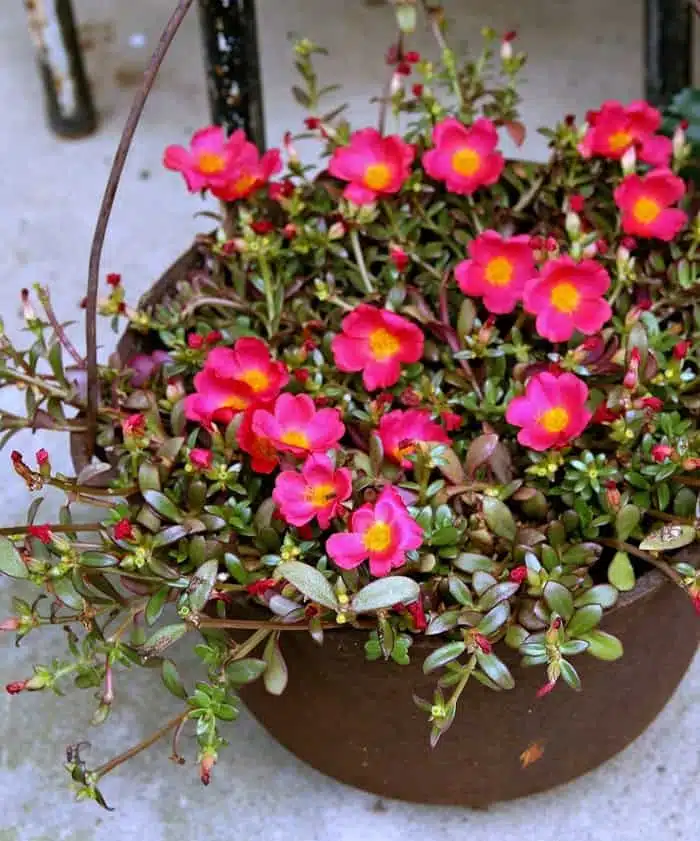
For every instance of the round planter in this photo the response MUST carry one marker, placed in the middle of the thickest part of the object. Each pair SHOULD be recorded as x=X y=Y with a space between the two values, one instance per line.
x=356 y=721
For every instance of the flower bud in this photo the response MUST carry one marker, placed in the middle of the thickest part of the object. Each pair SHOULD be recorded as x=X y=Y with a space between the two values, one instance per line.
x=629 y=161
x=660 y=452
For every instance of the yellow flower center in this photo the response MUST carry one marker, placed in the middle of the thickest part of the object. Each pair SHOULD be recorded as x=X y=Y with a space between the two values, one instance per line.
x=646 y=210
x=619 y=141
x=466 y=161
x=296 y=438
x=256 y=379
x=377 y=176
x=499 y=271
x=565 y=297
x=236 y=402
x=210 y=163
x=320 y=495
x=403 y=450
x=383 y=344
x=555 y=419
x=244 y=183
x=377 y=538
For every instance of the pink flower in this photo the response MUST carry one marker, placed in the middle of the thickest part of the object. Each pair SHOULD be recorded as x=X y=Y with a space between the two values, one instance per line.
x=567 y=296
x=645 y=202
x=374 y=165
x=296 y=426
x=230 y=167
x=317 y=491
x=497 y=271
x=399 y=258
x=464 y=157
x=201 y=459
x=680 y=351
x=661 y=452
x=451 y=420
x=401 y=431
x=615 y=129
x=134 y=425
x=264 y=457
x=382 y=532
x=377 y=342
x=552 y=411
x=234 y=379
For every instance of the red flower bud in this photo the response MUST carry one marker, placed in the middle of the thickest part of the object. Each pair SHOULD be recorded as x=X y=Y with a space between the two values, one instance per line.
x=403 y=68
x=399 y=257
x=696 y=602
x=10 y=624
x=602 y=246
x=201 y=459
x=134 y=425
x=261 y=586
x=518 y=574
x=537 y=243
x=212 y=337
x=123 y=530
x=412 y=57
x=42 y=457
x=451 y=420
x=417 y=90
x=114 y=279
x=604 y=415
x=262 y=227
x=417 y=613
x=551 y=244
x=205 y=768
x=660 y=452
x=280 y=189
x=576 y=203
x=510 y=36
x=312 y=123
x=680 y=351
x=630 y=243
x=195 y=341
x=483 y=643
x=410 y=397
x=301 y=375
x=545 y=689
x=305 y=532
x=290 y=230
x=631 y=378
x=41 y=533
x=16 y=687
x=16 y=457
x=654 y=404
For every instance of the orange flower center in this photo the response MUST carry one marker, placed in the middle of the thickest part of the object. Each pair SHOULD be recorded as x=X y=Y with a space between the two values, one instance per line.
x=555 y=419
x=646 y=210
x=466 y=161
x=210 y=163
x=383 y=344
x=404 y=449
x=244 y=183
x=296 y=438
x=236 y=402
x=256 y=379
x=619 y=141
x=377 y=538
x=499 y=271
x=565 y=297
x=320 y=495
x=377 y=176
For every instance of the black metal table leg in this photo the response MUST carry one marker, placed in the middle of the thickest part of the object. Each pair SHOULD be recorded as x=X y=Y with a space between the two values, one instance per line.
x=668 y=48
x=233 y=66
x=69 y=106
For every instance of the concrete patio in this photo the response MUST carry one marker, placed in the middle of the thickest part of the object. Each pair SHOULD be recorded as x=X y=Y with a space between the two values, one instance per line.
x=580 y=53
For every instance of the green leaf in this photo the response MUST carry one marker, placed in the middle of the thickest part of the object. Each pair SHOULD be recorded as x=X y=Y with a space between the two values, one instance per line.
x=480 y=451
x=385 y=592
x=275 y=676
x=98 y=560
x=669 y=537
x=245 y=671
x=309 y=582
x=443 y=655
x=171 y=678
x=67 y=593
x=201 y=585
x=584 y=620
x=572 y=647
x=11 y=562
x=56 y=362
x=160 y=503
x=603 y=594
x=155 y=605
x=149 y=478
x=470 y=562
x=627 y=520
x=559 y=599
x=494 y=619
x=498 y=593
x=621 y=572
x=163 y=638
x=603 y=646
x=168 y=536
x=496 y=669
x=459 y=591
x=499 y=518
x=570 y=675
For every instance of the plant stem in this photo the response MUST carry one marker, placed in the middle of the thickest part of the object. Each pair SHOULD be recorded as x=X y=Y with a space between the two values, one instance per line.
x=386 y=93
x=360 y=258
x=211 y=301
x=269 y=294
x=253 y=641
x=58 y=528
x=105 y=769
x=434 y=16
x=250 y=624
x=459 y=688
x=665 y=567
x=41 y=384
x=45 y=300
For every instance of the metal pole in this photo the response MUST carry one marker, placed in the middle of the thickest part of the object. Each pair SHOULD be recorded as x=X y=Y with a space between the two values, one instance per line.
x=233 y=66
x=668 y=49
x=69 y=106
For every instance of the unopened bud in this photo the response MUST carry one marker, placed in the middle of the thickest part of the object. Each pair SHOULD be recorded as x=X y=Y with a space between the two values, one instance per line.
x=629 y=161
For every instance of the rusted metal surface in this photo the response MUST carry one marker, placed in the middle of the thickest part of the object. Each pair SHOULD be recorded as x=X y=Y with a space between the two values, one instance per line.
x=69 y=105
x=233 y=65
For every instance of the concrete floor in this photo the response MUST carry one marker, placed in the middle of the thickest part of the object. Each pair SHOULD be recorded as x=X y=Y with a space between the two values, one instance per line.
x=580 y=53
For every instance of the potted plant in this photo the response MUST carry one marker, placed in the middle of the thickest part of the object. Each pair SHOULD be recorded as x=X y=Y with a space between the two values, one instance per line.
x=413 y=444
